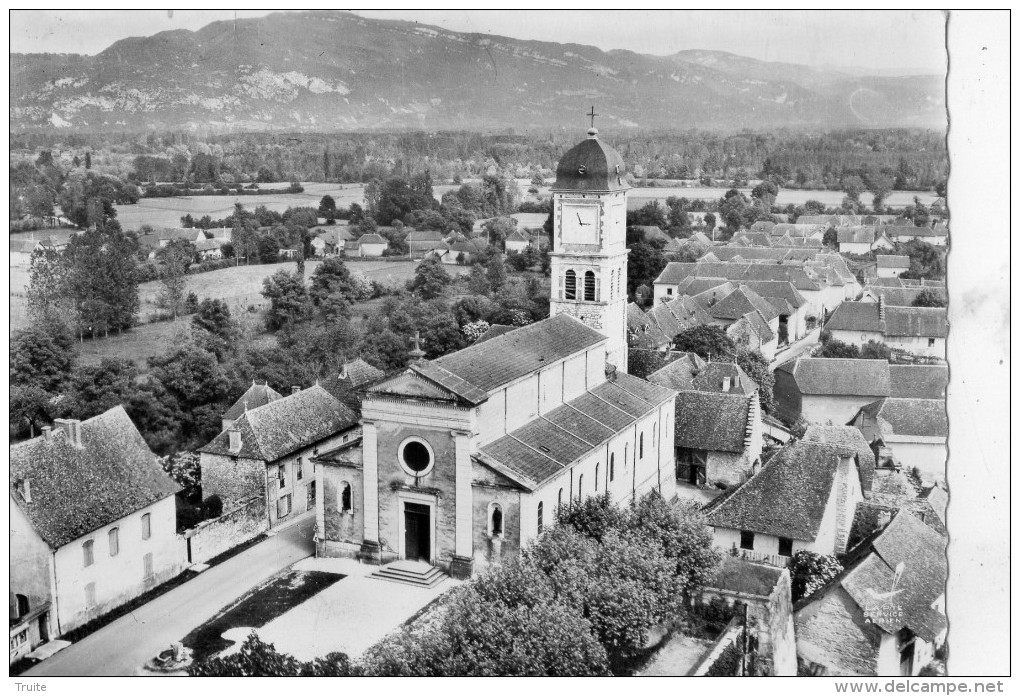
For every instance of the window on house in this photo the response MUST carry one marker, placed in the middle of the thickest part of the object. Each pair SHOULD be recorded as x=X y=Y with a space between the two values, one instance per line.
x=114 y=537
x=785 y=546
x=612 y=467
x=496 y=520
x=559 y=499
x=146 y=525
x=747 y=540
x=346 y=499
x=90 y=596
x=540 y=525
x=299 y=469
x=283 y=506
x=580 y=486
x=147 y=566
x=669 y=291
x=589 y=286
x=641 y=446
x=597 y=477
x=931 y=342
x=570 y=286
x=281 y=474
x=22 y=601
x=19 y=639
x=87 y=554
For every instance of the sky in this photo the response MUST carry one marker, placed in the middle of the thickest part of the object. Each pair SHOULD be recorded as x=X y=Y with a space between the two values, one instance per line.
x=894 y=42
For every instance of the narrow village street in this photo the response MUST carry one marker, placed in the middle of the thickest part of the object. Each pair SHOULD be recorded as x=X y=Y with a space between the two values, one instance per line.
x=122 y=647
x=794 y=349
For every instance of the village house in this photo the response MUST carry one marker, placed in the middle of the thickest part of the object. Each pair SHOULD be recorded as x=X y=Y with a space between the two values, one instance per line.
x=862 y=239
x=652 y=233
x=367 y=245
x=266 y=452
x=799 y=230
x=938 y=234
x=884 y=614
x=828 y=390
x=718 y=426
x=900 y=296
x=256 y=396
x=464 y=459
x=804 y=498
x=914 y=430
x=517 y=241
x=209 y=249
x=916 y=330
x=346 y=383
x=891 y=265
x=93 y=525
x=421 y=242
x=330 y=240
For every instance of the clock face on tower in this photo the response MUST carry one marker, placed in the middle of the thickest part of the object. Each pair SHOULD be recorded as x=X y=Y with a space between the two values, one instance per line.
x=580 y=224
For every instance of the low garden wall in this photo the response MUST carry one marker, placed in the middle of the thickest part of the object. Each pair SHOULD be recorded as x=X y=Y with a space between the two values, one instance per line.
x=234 y=527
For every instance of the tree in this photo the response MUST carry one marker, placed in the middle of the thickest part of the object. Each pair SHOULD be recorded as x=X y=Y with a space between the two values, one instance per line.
x=474 y=330
x=95 y=389
x=757 y=368
x=334 y=289
x=880 y=184
x=853 y=186
x=928 y=298
x=260 y=659
x=831 y=238
x=185 y=468
x=41 y=358
x=709 y=341
x=498 y=229
x=766 y=192
x=810 y=571
x=875 y=350
x=289 y=301
x=644 y=265
x=495 y=273
x=244 y=237
x=176 y=257
x=327 y=208
x=641 y=362
x=213 y=315
x=837 y=349
x=430 y=279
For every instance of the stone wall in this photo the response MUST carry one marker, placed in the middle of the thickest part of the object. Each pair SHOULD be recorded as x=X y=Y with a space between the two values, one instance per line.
x=778 y=641
x=236 y=526
x=342 y=532
x=489 y=488
x=233 y=480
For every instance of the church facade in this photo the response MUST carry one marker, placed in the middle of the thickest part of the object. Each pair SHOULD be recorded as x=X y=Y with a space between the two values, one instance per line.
x=464 y=459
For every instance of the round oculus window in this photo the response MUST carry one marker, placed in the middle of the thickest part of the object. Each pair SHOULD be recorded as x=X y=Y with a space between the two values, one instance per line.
x=416 y=457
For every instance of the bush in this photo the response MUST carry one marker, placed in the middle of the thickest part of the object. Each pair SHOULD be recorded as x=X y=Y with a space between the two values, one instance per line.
x=810 y=571
x=212 y=507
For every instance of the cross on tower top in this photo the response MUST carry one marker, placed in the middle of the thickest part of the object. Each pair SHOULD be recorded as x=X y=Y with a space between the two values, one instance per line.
x=592 y=115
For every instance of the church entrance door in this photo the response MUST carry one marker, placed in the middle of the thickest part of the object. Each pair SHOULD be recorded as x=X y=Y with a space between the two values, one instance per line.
x=417 y=532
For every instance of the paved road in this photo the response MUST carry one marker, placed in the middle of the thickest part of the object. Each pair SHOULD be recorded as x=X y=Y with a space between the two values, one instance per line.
x=798 y=348
x=122 y=647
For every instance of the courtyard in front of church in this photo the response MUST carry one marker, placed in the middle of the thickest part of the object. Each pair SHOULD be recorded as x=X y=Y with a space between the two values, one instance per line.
x=349 y=616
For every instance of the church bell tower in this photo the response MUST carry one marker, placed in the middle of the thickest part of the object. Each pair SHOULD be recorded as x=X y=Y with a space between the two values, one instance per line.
x=589 y=251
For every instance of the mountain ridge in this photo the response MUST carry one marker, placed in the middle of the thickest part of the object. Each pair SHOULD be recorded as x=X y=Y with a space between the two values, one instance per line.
x=336 y=70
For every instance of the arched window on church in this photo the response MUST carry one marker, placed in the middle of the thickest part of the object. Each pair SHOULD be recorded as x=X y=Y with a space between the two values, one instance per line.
x=641 y=446
x=612 y=467
x=496 y=520
x=570 y=286
x=540 y=526
x=346 y=499
x=580 y=486
x=597 y=477
x=589 y=286
x=655 y=438
x=559 y=499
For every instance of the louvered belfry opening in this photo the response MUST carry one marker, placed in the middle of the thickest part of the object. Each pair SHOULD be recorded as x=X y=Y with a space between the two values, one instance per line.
x=589 y=286
x=570 y=286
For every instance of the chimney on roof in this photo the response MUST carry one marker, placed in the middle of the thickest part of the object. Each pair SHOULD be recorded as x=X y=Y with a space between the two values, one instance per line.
x=71 y=428
x=343 y=368
x=295 y=389
x=47 y=432
x=726 y=383
x=235 y=439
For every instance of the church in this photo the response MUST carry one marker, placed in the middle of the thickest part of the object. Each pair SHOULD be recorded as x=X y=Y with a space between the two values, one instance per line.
x=464 y=459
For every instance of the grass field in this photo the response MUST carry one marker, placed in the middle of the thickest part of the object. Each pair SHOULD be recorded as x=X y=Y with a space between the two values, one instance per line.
x=167 y=212
x=239 y=287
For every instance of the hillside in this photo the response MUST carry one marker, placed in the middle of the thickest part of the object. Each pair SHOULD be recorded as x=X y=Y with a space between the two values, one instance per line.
x=327 y=70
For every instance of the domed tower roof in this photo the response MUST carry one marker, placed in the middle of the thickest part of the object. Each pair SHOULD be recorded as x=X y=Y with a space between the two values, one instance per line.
x=591 y=166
